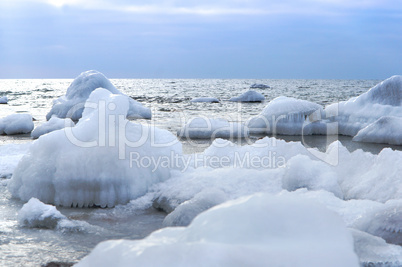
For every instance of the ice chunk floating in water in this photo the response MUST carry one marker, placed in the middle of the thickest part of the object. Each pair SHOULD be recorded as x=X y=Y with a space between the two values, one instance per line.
x=289 y=116
x=205 y=99
x=71 y=105
x=250 y=231
x=104 y=160
x=3 y=100
x=16 y=124
x=249 y=96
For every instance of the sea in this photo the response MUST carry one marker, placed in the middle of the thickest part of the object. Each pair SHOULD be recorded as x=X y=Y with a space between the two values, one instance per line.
x=169 y=100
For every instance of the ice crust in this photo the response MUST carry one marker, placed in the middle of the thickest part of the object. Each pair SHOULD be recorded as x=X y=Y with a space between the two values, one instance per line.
x=202 y=128
x=205 y=99
x=71 y=105
x=258 y=230
x=249 y=96
x=16 y=124
x=90 y=164
x=51 y=125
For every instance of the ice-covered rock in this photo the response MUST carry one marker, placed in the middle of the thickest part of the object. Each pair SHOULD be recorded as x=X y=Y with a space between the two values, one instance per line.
x=251 y=231
x=384 y=99
x=386 y=130
x=374 y=251
x=289 y=116
x=16 y=124
x=72 y=104
x=205 y=99
x=249 y=96
x=259 y=85
x=51 y=125
x=188 y=210
x=35 y=214
x=3 y=100
x=104 y=160
x=201 y=128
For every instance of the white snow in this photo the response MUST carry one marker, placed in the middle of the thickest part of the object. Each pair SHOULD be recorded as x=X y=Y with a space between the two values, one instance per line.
x=202 y=127
x=51 y=125
x=16 y=124
x=387 y=130
x=289 y=116
x=249 y=96
x=71 y=105
x=384 y=99
x=250 y=231
x=3 y=100
x=205 y=99
x=259 y=85
x=104 y=160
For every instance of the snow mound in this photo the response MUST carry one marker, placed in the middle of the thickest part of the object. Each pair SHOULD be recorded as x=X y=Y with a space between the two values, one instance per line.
x=259 y=85
x=289 y=116
x=384 y=99
x=202 y=128
x=251 y=231
x=51 y=125
x=16 y=124
x=386 y=130
x=35 y=214
x=249 y=96
x=205 y=99
x=103 y=161
x=72 y=104
x=3 y=100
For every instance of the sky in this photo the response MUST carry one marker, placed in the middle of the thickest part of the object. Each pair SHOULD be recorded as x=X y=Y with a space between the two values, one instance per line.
x=256 y=39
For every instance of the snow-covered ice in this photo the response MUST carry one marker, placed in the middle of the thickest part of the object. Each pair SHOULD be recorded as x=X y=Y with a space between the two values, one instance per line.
x=202 y=127
x=205 y=99
x=51 y=125
x=10 y=154
x=98 y=162
x=16 y=124
x=387 y=130
x=3 y=100
x=251 y=231
x=71 y=105
x=384 y=99
x=249 y=96
x=289 y=116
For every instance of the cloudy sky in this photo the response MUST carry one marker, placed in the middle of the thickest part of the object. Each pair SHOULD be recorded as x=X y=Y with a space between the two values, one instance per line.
x=327 y=39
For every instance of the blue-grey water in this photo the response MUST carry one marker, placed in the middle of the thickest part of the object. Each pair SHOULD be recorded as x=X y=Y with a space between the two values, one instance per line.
x=169 y=100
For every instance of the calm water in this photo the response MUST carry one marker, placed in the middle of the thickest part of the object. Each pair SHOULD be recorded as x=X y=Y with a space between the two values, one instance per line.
x=171 y=107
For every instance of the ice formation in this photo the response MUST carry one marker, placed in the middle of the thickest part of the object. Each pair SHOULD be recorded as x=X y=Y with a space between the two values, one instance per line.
x=289 y=116
x=259 y=85
x=205 y=99
x=51 y=125
x=201 y=127
x=16 y=124
x=104 y=160
x=387 y=130
x=249 y=96
x=35 y=214
x=3 y=100
x=250 y=231
x=10 y=154
x=71 y=105
x=384 y=99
